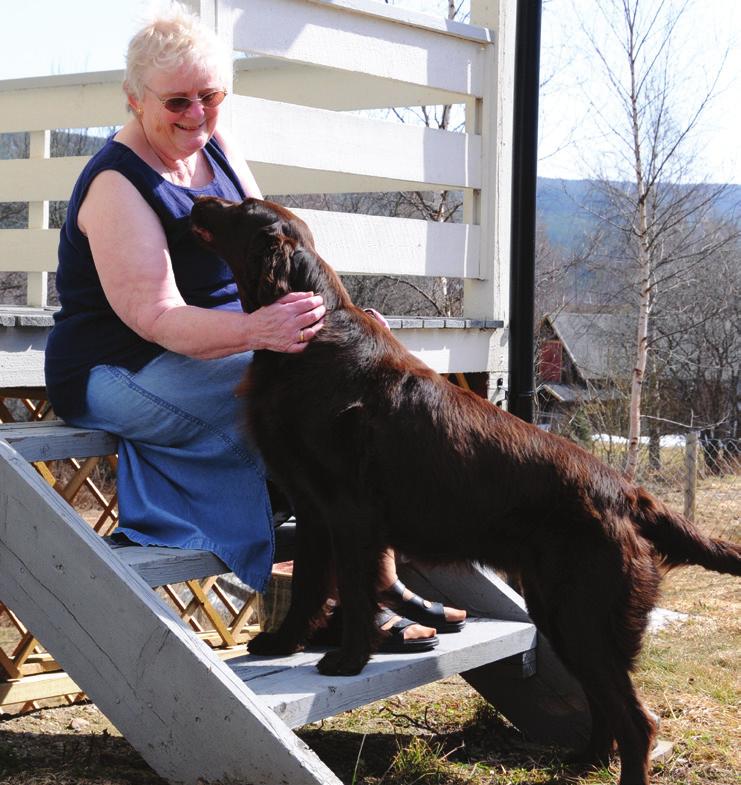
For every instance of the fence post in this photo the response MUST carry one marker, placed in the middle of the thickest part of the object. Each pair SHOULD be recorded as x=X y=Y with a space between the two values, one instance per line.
x=690 y=482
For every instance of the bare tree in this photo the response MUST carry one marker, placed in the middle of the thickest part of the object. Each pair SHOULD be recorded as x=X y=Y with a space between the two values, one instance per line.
x=699 y=341
x=646 y=199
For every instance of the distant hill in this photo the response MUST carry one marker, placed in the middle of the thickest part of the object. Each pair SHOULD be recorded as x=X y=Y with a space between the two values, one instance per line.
x=562 y=212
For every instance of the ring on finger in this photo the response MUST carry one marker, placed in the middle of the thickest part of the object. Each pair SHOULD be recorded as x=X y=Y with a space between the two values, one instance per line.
x=300 y=336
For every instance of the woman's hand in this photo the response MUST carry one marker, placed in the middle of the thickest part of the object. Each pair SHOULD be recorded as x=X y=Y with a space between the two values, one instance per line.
x=288 y=324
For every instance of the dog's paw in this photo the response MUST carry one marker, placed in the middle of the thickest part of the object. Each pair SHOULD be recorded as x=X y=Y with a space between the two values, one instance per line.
x=335 y=663
x=272 y=643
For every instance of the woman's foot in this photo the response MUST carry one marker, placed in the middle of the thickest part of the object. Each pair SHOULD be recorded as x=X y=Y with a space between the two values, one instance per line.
x=399 y=634
x=431 y=614
x=402 y=635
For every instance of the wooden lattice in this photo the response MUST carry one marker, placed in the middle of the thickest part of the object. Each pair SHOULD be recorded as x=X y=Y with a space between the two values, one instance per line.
x=29 y=673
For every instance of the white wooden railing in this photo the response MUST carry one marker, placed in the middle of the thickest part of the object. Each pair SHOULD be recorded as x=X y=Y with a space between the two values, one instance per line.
x=310 y=61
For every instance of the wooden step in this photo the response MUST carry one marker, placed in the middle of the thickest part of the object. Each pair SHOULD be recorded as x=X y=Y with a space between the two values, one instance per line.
x=160 y=565
x=295 y=690
x=47 y=441
x=51 y=441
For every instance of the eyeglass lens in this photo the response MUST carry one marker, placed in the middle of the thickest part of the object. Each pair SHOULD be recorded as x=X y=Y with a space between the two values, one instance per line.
x=182 y=104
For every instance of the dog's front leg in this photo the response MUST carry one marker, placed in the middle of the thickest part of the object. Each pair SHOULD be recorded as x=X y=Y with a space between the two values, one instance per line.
x=310 y=587
x=356 y=557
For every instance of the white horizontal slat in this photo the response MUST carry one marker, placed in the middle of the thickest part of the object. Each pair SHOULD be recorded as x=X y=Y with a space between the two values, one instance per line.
x=338 y=37
x=74 y=101
x=53 y=440
x=276 y=179
x=354 y=243
x=28 y=250
x=22 y=358
x=308 y=138
x=25 y=180
x=159 y=565
x=78 y=101
x=37 y=179
x=350 y=242
x=445 y=350
x=400 y=14
x=307 y=85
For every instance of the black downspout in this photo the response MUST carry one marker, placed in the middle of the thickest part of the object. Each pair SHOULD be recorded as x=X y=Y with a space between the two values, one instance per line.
x=524 y=183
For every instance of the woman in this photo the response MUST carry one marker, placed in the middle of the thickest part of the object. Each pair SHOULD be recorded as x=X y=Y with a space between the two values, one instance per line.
x=151 y=342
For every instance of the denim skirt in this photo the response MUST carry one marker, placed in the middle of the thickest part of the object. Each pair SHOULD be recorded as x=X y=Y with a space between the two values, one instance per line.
x=188 y=476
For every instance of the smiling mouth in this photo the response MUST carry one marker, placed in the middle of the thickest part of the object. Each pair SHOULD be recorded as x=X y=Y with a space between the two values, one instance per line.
x=189 y=128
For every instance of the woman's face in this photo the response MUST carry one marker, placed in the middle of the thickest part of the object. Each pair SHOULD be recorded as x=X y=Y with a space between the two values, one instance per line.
x=177 y=135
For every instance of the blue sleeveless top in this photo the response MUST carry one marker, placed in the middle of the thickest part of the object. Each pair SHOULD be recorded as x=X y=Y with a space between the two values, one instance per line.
x=87 y=331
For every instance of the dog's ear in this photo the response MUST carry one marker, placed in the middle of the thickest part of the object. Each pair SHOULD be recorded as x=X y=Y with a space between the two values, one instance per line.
x=272 y=257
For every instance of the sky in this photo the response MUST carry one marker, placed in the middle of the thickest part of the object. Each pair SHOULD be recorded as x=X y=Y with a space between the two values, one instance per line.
x=40 y=37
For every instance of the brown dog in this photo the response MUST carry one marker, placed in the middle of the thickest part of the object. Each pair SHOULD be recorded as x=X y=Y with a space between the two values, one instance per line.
x=375 y=449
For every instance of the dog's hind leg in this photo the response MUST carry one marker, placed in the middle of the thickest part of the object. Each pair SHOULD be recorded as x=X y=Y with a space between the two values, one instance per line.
x=634 y=727
x=601 y=660
x=594 y=615
x=617 y=710
x=602 y=738
x=635 y=736
x=311 y=586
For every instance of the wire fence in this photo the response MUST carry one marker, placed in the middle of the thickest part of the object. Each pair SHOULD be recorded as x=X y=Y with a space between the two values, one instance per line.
x=698 y=476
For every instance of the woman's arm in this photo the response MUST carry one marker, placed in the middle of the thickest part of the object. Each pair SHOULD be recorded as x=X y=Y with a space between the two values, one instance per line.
x=133 y=262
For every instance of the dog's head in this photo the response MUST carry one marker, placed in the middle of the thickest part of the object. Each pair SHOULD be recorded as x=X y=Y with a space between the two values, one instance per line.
x=268 y=248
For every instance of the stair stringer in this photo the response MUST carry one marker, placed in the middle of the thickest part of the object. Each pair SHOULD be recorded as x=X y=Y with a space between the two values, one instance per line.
x=184 y=710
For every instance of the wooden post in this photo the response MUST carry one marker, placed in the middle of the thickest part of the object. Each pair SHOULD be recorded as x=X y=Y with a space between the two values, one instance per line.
x=487 y=297
x=690 y=480
x=38 y=218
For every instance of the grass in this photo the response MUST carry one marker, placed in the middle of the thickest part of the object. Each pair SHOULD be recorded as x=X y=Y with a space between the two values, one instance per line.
x=445 y=734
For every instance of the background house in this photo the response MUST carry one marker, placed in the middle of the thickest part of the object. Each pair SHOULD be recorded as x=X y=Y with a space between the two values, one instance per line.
x=584 y=360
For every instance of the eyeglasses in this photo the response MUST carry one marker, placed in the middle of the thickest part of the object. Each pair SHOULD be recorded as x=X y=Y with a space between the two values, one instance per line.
x=180 y=104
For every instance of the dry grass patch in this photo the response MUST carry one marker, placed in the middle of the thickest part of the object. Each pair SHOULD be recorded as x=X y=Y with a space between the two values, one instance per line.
x=444 y=734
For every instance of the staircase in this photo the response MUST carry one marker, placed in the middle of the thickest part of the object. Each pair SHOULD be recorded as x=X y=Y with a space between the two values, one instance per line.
x=194 y=717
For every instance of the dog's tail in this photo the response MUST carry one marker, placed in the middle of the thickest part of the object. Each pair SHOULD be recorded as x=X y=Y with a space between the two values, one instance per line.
x=679 y=542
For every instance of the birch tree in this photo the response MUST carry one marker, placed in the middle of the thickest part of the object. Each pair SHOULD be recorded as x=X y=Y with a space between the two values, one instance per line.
x=652 y=196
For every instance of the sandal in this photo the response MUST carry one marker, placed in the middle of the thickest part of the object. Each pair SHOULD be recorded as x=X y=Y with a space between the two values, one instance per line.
x=392 y=642
x=431 y=614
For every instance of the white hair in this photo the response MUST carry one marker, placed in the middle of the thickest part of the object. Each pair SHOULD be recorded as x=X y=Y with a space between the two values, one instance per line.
x=172 y=39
